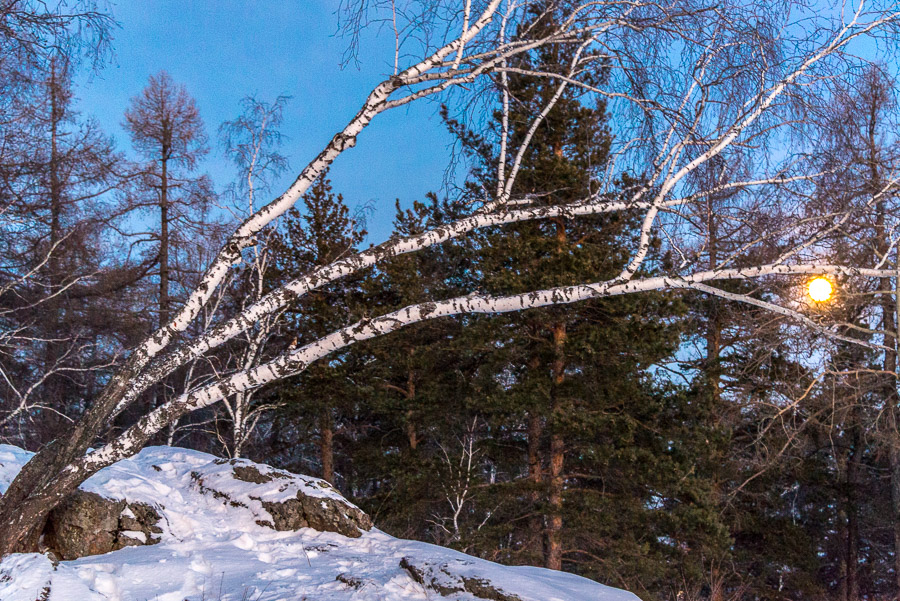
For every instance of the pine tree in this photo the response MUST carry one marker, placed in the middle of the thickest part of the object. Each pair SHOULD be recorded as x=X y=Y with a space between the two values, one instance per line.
x=594 y=457
x=318 y=401
x=418 y=385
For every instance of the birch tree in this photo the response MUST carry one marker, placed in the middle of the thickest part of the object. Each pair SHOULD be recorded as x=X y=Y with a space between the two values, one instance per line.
x=690 y=81
x=252 y=141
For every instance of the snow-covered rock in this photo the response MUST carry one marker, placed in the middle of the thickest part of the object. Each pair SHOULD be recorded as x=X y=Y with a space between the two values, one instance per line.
x=281 y=500
x=232 y=530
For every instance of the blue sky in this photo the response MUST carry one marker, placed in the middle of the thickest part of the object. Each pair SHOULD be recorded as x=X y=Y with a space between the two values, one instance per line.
x=227 y=49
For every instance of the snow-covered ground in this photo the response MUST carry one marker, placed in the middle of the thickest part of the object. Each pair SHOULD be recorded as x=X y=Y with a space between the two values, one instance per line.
x=212 y=550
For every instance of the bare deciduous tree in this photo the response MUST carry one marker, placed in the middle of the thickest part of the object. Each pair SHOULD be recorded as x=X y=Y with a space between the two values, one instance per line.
x=251 y=141
x=166 y=128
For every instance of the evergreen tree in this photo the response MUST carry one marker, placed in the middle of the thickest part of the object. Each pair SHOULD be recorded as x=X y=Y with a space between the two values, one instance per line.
x=580 y=446
x=419 y=386
x=319 y=400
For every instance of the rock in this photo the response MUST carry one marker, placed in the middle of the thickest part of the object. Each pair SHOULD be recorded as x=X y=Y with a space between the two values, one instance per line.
x=351 y=581
x=250 y=473
x=141 y=517
x=483 y=589
x=441 y=578
x=87 y=524
x=83 y=524
x=325 y=515
x=288 y=501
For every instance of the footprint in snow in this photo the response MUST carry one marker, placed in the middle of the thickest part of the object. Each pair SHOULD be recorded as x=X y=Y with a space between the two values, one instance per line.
x=201 y=566
x=108 y=585
x=245 y=542
x=283 y=574
x=276 y=574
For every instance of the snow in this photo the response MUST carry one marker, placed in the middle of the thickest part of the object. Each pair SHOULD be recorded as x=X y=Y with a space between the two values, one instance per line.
x=11 y=461
x=215 y=551
x=135 y=534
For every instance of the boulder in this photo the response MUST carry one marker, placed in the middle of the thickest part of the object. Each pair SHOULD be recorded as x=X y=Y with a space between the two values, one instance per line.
x=324 y=515
x=444 y=579
x=287 y=501
x=86 y=523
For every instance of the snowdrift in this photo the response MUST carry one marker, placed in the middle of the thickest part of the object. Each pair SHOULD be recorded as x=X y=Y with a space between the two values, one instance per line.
x=175 y=525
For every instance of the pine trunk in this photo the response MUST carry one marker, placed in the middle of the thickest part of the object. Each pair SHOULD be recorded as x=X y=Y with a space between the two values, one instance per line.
x=411 y=434
x=714 y=375
x=890 y=311
x=894 y=457
x=326 y=446
x=890 y=304
x=535 y=478
x=557 y=454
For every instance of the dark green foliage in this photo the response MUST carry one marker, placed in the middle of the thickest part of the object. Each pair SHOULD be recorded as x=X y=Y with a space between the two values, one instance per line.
x=610 y=429
x=317 y=403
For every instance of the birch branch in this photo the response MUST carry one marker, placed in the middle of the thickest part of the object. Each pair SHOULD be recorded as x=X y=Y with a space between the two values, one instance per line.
x=297 y=360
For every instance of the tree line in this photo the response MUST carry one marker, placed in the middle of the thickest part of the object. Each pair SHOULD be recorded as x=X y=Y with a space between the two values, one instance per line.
x=671 y=442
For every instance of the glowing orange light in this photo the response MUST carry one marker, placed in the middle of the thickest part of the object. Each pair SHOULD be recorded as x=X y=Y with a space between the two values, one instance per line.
x=820 y=289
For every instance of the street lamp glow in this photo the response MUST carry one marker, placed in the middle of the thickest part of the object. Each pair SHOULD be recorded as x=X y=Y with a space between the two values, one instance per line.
x=820 y=289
